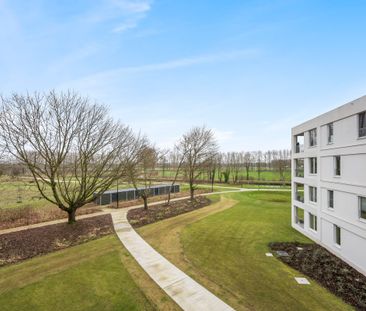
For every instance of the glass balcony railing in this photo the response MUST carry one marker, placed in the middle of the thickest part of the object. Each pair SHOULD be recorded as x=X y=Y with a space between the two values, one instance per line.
x=300 y=222
x=299 y=197
x=299 y=148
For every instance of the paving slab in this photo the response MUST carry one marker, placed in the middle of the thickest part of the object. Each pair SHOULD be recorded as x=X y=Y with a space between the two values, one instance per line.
x=302 y=281
x=185 y=291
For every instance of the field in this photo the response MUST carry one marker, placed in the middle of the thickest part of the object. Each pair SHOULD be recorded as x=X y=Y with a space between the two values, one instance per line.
x=98 y=275
x=225 y=251
x=266 y=175
x=23 y=192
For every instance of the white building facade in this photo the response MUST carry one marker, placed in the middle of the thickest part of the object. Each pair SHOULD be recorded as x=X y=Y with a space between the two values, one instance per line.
x=329 y=181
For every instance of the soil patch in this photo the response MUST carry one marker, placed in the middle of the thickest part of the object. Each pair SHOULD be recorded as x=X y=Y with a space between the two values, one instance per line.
x=21 y=245
x=28 y=215
x=331 y=272
x=139 y=216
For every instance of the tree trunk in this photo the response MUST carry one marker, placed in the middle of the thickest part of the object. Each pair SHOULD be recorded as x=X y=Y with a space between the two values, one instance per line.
x=192 y=193
x=145 y=203
x=71 y=214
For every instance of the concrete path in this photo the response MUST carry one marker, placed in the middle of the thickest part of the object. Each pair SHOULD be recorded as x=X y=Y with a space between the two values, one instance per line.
x=186 y=292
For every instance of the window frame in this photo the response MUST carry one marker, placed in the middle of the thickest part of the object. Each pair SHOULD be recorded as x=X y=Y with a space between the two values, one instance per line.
x=360 y=199
x=313 y=221
x=362 y=130
x=328 y=199
x=330 y=138
x=313 y=140
x=335 y=166
x=337 y=235
x=311 y=194
x=312 y=166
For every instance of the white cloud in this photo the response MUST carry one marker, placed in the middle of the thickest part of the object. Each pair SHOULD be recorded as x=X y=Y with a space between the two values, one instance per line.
x=124 y=14
x=222 y=136
x=101 y=77
x=131 y=6
x=126 y=25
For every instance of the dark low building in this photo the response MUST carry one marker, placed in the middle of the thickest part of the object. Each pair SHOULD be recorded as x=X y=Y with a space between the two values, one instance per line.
x=132 y=194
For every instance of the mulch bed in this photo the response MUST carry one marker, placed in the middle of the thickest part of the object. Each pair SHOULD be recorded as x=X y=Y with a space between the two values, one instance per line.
x=28 y=215
x=152 y=199
x=139 y=217
x=25 y=244
x=327 y=269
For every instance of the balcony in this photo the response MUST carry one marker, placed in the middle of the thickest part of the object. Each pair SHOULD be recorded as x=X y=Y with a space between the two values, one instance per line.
x=299 y=216
x=299 y=143
x=299 y=196
x=299 y=172
x=299 y=148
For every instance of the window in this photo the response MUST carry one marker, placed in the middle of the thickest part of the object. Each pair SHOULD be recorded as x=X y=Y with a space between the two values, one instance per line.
x=362 y=124
x=299 y=216
x=337 y=235
x=299 y=164
x=313 y=165
x=313 y=222
x=312 y=138
x=330 y=199
x=312 y=194
x=337 y=165
x=330 y=133
x=362 y=207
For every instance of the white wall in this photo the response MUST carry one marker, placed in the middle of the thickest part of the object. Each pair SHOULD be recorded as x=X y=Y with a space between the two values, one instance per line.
x=353 y=169
x=353 y=246
x=347 y=187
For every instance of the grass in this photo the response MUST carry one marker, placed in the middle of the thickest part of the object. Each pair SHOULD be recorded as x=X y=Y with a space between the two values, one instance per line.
x=98 y=275
x=224 y=249
x=225 y=187
x=265 y=175
x=22 y=192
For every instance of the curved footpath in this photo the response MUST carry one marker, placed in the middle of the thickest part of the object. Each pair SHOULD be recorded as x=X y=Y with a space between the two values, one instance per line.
x=186 y=292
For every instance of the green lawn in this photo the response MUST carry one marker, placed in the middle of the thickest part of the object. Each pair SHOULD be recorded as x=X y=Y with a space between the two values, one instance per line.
x=226 y=252
x=265 y=175
x=225 y=187
x=91 y=276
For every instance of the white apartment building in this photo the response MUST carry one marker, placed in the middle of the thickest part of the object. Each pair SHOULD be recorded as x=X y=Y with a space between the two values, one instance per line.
x=329 y=181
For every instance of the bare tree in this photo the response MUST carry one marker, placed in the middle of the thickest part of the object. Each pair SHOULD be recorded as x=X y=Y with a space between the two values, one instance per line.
x=178 y=160
x=281 y=162
x=73 y=150
x=142 y=170
x=226 y=167
x=212 y=168
x=200 y=147
x=248 y=161
x=258 y=163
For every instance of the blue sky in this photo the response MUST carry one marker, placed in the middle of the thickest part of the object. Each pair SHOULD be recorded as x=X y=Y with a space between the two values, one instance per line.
x=250 y=70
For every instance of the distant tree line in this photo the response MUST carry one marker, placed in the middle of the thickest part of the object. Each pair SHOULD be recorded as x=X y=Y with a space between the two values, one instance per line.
x=235 y=167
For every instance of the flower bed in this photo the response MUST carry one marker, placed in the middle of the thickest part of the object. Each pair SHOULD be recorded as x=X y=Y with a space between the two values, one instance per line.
x=21 y=245
x=139 y=216
x=327 y=269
